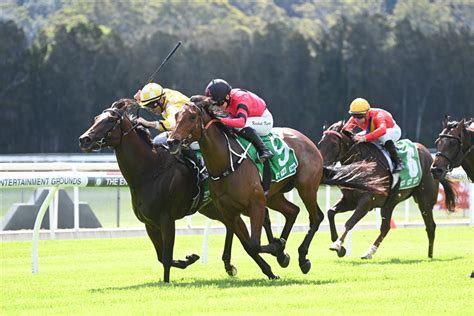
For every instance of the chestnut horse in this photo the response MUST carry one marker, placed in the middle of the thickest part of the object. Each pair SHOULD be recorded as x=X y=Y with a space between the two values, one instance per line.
x=455 y=147
x=162 y=188
x=235 y=184
x=338 y=145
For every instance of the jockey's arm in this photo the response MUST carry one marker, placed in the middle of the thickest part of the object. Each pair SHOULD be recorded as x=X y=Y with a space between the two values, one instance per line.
x=350 y=124
x=169 y=118
x=239 y=120
x=380 y=129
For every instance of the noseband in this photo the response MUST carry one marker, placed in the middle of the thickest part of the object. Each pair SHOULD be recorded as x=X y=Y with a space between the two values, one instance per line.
x=458 y=158
x=120 y=118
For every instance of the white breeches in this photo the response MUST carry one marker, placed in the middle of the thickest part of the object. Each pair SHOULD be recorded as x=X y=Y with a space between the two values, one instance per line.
x=393 y=134
x=261 y=124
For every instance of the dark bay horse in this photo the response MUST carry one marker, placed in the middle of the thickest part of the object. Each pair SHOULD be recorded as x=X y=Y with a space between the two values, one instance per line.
x=236 y=188
x=162 y=188
x=455 y=147
x=338 y=145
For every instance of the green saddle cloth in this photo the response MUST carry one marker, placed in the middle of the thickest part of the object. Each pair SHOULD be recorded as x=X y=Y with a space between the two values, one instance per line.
x=410 y=176
x=284 y=162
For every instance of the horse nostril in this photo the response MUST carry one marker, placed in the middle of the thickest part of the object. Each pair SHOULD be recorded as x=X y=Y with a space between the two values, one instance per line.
x=84 y=140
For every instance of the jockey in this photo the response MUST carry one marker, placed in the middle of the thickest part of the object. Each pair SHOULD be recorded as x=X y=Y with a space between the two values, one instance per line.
x=167 y=103
x=379 y=126
x=248 y=114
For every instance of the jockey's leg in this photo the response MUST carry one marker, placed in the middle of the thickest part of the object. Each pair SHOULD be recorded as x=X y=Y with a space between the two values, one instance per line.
x=392 y=150
x=250 y=134
x=388 y=140
x=160 y=139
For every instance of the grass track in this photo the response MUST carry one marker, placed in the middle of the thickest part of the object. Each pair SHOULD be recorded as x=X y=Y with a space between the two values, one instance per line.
x=122 y=277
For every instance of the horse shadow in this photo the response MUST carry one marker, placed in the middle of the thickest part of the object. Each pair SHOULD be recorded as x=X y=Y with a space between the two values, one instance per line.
x=220 y=283
x=397 y=261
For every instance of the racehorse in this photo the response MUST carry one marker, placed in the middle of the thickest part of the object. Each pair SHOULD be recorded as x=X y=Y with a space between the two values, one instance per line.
x=455 y=147
x=235 y=184
x=162 y=188
x=338 y=145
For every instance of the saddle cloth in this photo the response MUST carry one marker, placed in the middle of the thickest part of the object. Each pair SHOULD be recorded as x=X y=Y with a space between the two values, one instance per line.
x=410 y=176
x=284 y=162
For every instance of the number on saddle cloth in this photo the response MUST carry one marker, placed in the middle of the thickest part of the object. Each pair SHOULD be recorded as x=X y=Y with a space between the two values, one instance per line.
x=284 y=162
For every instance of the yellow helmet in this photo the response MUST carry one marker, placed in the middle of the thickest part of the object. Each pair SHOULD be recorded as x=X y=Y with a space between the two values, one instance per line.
x=150 y=92
x=359 y=106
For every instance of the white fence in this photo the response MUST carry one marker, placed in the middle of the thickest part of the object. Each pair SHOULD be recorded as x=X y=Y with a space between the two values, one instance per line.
x=75 y=175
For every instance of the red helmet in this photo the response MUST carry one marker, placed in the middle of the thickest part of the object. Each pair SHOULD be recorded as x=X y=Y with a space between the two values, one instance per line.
x=218 y=90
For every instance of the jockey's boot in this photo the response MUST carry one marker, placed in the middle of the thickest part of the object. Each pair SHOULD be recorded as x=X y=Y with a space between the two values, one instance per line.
x=191 y=154
x=251 y=135
x=392 y=150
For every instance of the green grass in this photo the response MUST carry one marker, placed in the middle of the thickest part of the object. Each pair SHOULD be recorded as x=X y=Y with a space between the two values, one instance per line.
x=122 y=276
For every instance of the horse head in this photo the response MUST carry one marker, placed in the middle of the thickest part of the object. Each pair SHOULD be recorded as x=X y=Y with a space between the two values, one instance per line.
x=335 y=143
x=191 y=122
x=450 y=146
x=108 y=128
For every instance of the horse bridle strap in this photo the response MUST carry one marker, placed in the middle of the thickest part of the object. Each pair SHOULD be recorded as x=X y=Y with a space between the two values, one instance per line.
x=233 y=166
x=459 y=157
x=210 y=123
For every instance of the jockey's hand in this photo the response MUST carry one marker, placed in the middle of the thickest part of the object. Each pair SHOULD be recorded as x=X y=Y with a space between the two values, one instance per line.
x=359 y=139
x=145 y=123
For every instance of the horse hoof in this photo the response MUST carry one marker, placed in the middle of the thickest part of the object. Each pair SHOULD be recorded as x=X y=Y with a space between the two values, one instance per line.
x=366 y=257
x=231 y=271
x=273 y=277
x=284 y=260
x=342 y=252
x=306 y=266
x=192 y=258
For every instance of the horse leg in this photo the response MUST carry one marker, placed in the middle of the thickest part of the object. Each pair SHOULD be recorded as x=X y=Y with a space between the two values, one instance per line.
x=229 y=268
x=425 y=196
x=239 y=228
x=386 y=214
x=267 y=225
x=155 y=236
x=308 y=196
x=290 y=211
x=363 y=207
x=343 y=205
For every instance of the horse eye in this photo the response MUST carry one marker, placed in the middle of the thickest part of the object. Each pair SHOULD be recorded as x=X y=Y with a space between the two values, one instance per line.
x=192 y=117
x=110 y=119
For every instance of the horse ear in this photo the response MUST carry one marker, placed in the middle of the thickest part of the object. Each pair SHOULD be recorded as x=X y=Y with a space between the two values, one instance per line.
x=461 y=124
x=445 y=121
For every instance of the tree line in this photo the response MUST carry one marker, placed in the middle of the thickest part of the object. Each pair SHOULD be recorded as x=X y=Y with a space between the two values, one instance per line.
x=413 y=58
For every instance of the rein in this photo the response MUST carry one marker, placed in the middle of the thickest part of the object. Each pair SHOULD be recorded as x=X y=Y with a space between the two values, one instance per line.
x=118 y=122
x=233 y=165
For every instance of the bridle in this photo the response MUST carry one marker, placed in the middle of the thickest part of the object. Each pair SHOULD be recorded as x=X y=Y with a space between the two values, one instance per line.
x=120 y=117
x=340 y=144
x=456 y=161
x=233 y=165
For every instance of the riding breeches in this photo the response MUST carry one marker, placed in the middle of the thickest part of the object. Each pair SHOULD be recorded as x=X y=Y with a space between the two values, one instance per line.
x=394 y=133
x=261 y=124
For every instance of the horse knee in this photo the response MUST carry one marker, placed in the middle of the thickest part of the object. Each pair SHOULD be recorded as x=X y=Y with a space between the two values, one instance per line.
x=331 y=214
x=254 y=246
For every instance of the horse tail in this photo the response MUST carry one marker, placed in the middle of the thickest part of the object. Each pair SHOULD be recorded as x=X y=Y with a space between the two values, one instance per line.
x=358 y=175
x=449 y=193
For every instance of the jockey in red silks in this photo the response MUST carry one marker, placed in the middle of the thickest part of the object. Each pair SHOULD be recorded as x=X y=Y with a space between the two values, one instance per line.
x=378 y=126
x=248 y=113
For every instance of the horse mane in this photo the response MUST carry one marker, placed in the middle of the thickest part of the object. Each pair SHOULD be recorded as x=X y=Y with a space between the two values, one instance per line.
x=211 y=108
x=129 y=106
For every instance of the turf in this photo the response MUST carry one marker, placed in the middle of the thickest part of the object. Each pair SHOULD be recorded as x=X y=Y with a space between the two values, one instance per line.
x=122 y=276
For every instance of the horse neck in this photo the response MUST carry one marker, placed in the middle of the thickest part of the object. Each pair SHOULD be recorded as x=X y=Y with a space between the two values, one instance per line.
x=135 y=158
x=214 y=147
x=468 y=165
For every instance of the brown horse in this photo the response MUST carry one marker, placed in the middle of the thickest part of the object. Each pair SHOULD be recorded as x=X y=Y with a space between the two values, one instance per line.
x=338 y=145
x=455 y=147
x=163 y=189
x=235 y=182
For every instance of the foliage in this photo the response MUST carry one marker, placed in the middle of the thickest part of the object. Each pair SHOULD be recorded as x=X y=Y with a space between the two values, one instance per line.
x=63 y=61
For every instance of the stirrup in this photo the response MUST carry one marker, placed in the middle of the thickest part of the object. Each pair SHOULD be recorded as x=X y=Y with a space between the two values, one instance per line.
x=265 y=155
